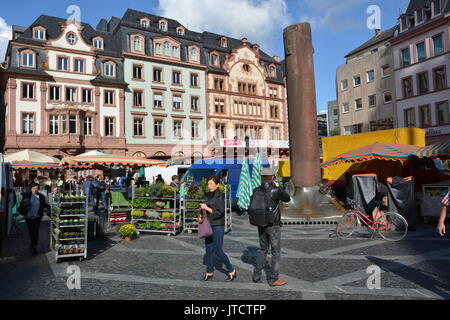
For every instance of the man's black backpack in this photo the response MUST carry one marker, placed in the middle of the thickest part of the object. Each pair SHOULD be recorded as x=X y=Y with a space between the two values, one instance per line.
x=262 y=208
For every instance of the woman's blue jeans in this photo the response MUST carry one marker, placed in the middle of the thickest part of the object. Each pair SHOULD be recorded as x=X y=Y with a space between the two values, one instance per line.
x=214 y=244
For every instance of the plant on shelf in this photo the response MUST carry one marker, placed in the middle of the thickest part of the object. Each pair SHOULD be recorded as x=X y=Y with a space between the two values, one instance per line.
x=168 y=191
x=141 y=203
x=151 y=214
x=195 y=191
x=192 y=205
x=127 y=231
x=160 y=205
x=167 y=216
x=137 y=213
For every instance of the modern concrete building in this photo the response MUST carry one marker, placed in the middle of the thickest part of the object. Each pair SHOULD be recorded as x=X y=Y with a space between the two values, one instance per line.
x=65 y=89
x=364 y=87
x=421 y=51
x=333 y=118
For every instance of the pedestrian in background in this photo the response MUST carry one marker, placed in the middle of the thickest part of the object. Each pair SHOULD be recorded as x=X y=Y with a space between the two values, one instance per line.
x=32 y=208
x=88 y=188
x=441 y=225
x=268 y=197
x=100 y=188
x=214 y=207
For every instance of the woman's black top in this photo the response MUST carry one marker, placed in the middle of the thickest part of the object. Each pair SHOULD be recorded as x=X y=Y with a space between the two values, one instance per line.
x=216 y=201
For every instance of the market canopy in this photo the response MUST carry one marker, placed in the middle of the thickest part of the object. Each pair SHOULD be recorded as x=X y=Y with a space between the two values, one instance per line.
x=378 y=150
x=437 y=150
x=35 y=165
x=110 y=160
x=28 y=159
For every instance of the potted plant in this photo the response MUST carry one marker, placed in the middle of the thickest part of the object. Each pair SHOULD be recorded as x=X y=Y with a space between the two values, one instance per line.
x=159 y=205
x=168 y=191
x=127 y=231
x=192 y=205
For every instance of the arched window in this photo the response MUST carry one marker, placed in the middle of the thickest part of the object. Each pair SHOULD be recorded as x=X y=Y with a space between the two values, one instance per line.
x=158 y=48
x=162 y=26
x=166 y=48
x=180 y=31
x=137 y=44
x=175 y=52
x=194 y=54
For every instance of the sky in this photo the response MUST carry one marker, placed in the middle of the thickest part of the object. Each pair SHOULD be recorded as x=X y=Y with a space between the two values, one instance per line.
x=339 y=26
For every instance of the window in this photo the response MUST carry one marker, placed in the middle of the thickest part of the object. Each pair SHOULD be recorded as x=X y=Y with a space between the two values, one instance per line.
x=64 y=124
x=158 y=48
x=346 y=108
x=27 y=91
x=158 y=128
x=344 y=85
x=27 y=123
x=425 y=116
x=54 y=93
x=386 y=71
x=137 y=43
x=162 y=26
x=223 y=42
x=71 y=94
x=109 y=127
x=406 y=59
x=358 y=104
x=157 y=75
x=194 y=54
x=137 y=72
x=63 y=64
x=274 y=112
x=144 y=23
x=437 y=45
x=167 y=48
x=53 y=125
x=138 y=127
x=72 y=38
x=273 y=92
x=110 y=69
x=87 y=126
x=275 y=133
x=404 y=23
x=195 y=130
x=436 y=7
x=138 y=98
x=194 y=104
x=214 y=59
x=219 y=106
x=180 y=31
x=220 y=131
x=372 y=101
x=109 y=97
x=357 y=81
x=440 y=78
x=387 y=97
x=410 y=118
x=422 y=79
x=218 y=84
x=87 y=96
x=27 y=59
x=443 y=113
x=419 y=16
x=194 y=80
x=79 y=66
x=157 y=100
x=72 y=124
x=407 y=87
x=177 y=129
x=370 y=76
x=39 y=34
x=175 y=52
x=421 y=56
x=177 y=102
x=98 y=43
x=176 y=77
x=272 y=71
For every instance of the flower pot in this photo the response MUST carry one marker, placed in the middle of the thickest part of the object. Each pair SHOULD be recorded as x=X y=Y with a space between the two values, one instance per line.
x=127 y=239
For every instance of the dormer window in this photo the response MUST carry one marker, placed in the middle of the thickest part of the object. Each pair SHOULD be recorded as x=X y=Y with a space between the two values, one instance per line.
x=420 y=16
x=39 y=33
x=28 y=59
x=110 y=69
x=214 y=59
x=223 y=42
x=180 y=31
x=166 y=48
x=137 y=43
x=145 y=22
x=163 y=25
x=98 y=43
x=71 y=38
x=193 y=54
x=436 y=8
x=404 y=23
x=175 y=53
x=158 y=48
x=272 y=71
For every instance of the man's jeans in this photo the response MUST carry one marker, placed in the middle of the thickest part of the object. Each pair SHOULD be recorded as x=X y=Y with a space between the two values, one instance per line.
x=33 y=230
x=269 y=237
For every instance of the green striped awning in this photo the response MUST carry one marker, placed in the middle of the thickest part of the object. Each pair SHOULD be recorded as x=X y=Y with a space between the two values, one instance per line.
x=437 y=150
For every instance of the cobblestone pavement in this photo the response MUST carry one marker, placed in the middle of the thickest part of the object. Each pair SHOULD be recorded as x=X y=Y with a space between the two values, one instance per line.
x=316 y=264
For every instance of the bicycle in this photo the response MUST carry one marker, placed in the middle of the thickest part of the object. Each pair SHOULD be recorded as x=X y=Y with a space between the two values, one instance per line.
x=390 y=226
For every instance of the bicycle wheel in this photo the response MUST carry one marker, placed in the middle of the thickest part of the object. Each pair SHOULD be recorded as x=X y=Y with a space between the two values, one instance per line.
x=391 y=226
x=347 y=225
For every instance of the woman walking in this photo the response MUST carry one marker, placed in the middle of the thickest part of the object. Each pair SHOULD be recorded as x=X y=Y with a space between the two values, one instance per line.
x=215 y=211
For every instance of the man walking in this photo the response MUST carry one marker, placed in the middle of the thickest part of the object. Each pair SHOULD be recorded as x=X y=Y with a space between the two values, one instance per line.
x=32 y=208
x=264 y=212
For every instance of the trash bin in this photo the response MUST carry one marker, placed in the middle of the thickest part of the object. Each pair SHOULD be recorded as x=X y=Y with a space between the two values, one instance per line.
x=366 y=192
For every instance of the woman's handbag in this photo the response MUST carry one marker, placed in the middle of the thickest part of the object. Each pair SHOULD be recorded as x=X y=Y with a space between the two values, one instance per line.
x=204 y=228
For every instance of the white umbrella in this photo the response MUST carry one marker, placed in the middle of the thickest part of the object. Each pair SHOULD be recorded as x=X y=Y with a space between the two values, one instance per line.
x=91 y=153
x=30 y=156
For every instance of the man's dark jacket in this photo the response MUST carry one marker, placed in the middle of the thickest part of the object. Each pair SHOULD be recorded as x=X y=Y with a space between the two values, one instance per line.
x=277 y=194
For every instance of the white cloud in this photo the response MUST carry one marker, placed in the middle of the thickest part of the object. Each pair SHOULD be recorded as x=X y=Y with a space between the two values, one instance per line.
x=258 y=20
x=5 y=36
x=333 y=15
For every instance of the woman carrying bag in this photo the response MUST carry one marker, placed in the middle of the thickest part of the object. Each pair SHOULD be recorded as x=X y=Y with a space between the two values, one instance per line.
x=213 y=212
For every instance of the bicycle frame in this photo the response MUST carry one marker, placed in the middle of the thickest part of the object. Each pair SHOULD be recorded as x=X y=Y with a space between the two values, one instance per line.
x=370 y=223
